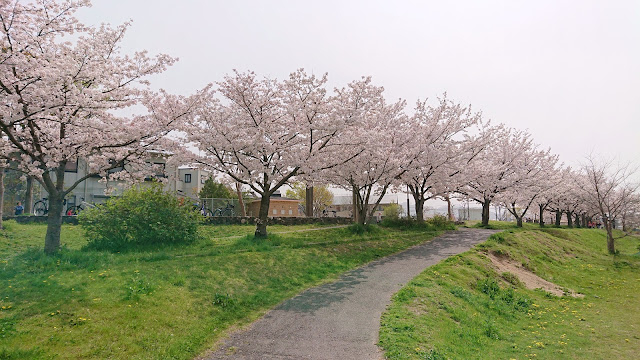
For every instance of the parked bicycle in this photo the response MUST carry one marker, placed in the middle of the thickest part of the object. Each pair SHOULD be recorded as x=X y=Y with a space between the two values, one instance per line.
x=75 y=210
x=226 y=211
x=202 y=210
x=41 y=207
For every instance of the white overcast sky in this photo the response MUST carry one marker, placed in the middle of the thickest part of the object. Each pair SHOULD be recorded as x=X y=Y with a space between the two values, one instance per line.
x=568 y=71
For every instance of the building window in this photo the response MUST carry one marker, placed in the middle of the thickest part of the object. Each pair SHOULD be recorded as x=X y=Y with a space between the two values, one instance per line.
x=187 y=178
x=290 y=212
x=203 y=179
x=71 y=166
x=282 y=212
x=275 y=211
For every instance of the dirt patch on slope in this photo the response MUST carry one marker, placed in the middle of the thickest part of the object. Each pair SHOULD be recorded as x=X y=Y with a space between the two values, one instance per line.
x=529 y=279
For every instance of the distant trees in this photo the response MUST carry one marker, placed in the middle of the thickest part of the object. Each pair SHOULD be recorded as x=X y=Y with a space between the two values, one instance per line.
x=215 y=190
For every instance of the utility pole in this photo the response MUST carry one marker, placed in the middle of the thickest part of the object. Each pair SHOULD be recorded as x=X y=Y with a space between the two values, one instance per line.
x=408 y=210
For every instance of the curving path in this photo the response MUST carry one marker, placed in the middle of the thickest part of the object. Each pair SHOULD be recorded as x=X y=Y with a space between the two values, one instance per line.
x=341 y=320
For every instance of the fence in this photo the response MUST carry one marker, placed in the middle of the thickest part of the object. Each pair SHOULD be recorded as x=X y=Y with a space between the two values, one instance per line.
x=219 y=207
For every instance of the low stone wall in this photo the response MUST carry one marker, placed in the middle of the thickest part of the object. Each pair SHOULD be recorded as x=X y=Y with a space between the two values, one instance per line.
x=217 y=220
x=73 y=220
x=277 y=220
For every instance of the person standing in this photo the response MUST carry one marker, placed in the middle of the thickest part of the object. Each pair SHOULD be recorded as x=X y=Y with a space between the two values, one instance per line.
x=19 y=209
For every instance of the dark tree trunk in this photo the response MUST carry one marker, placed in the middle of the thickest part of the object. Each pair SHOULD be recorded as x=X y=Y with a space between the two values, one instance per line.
x=585 y=220
x=363 y=217
x=54 y=222
x=263 y=214
x=308 y=207
x=569 y=219
x=28 y=196
x=354 y=201
x=486 y=207
x=519 y=221
x=610 y=241
x=419 y=209
x=578 y=225
x=541 y=207
x=419 y=200
x=558 y=218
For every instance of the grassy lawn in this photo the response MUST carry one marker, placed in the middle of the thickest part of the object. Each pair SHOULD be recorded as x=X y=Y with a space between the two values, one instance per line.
x=463 y=309
x=170 y=303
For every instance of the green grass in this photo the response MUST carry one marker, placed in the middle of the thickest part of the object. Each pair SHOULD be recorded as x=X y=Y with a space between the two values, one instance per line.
x=463 y=309
x=163 y=303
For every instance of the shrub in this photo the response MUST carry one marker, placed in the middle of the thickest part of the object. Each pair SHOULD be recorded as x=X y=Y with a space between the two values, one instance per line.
x=145 y=215
x=440 y=221
x=360 y=229
x=392 y=211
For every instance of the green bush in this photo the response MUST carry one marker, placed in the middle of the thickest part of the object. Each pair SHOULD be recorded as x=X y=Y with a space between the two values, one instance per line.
x=142 y=216
x=440 y=222
x=360 y=229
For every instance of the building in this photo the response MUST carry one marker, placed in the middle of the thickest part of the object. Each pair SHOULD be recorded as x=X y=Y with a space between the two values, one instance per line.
x=185 y=181
x=278 y=207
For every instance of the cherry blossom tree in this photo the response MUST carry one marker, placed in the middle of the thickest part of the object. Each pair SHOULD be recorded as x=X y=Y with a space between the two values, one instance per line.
x=608 y=188
x=536 y=169
x=377 y=138
x=440 y=147
x=498 y=168
x=61 y=84
x=265 y=132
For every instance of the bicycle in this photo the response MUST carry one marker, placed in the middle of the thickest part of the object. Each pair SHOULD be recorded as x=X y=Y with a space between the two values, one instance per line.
x=74 y=210
x=202 y=210
x=41 y=207
x=226 y=211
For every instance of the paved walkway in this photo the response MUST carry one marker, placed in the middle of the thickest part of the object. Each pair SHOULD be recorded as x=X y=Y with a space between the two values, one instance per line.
x=341 y=320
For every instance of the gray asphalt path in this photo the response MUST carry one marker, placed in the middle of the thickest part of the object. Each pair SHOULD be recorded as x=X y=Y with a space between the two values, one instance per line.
x=341 y=320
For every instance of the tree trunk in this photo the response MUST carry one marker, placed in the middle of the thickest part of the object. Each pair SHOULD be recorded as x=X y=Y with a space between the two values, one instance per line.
x=558 y=218
x=485 y=212
x=569 y=219
x=363 y=217
x=610 y=241
x=1 y=196
x=28 y=196
x=263 y=214
x=519 y=221
x=54 y=223
x=243 y=210
x=354 y=201
x=541 y=207
x=449 y=209
x=578 y=225
x=308 y=207
x=419 y=210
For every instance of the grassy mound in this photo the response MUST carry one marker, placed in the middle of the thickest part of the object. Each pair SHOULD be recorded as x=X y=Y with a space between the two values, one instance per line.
x=464 y=309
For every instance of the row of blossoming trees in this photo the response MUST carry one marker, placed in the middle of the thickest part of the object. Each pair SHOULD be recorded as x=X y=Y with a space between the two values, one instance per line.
x=64 y=86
